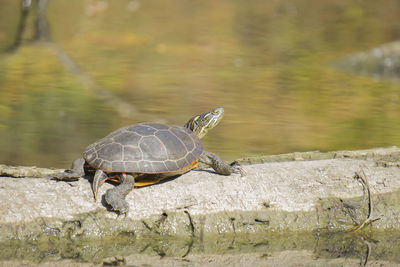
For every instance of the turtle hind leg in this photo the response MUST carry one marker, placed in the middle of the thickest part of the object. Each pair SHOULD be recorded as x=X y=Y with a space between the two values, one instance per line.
x=99 y=178
x=78 y=166
x=218 y=165
x=77 y=170
x=116 y=196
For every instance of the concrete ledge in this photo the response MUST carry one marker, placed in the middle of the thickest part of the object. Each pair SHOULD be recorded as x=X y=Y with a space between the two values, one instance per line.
x=278 y=196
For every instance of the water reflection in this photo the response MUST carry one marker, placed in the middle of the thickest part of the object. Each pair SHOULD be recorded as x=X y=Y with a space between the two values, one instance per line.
x=105 y=64
x=332 y=249
x=379 y=62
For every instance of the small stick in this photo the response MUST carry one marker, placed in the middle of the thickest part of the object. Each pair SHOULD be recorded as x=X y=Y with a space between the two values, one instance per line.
x=363 y=180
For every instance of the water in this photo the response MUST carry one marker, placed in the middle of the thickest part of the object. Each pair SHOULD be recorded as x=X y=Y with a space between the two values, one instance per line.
x=89 y=67
x=94 y=66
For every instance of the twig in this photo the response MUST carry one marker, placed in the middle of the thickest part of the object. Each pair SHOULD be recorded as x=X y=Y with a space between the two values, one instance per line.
x=364 y=182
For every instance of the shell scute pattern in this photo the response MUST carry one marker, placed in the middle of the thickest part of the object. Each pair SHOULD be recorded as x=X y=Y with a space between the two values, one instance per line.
x=127 y=138
x=145 y=148
x=107 y=165
x=132 y=153
x=182 y=162
x=173 y=146
x=158 y=165
x=117 y=165
x=144 y=166
x=156 y=126
x=171 y=165
x=185 y=137
x=191 y=157
x=111 y=152
x=144 y=130
x=153 y=149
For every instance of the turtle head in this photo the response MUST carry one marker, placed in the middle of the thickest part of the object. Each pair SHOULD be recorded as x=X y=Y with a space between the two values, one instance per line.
x=202 y=123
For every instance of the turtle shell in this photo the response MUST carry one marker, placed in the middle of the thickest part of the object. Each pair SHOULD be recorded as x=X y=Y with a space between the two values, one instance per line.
x=145 y=148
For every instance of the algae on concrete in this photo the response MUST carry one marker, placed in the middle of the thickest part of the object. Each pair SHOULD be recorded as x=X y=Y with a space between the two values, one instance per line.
x=330 y=248
x=26 y=171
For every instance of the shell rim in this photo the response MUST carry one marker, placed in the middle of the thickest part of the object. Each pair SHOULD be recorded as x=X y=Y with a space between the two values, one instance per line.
x=193 y=164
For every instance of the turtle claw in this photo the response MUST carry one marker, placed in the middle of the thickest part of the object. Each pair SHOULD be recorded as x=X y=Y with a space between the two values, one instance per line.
x=117 y=203
x=241 y=171
x=238 y=169
x=123 y=212
x=119 y=207
x=99 y=178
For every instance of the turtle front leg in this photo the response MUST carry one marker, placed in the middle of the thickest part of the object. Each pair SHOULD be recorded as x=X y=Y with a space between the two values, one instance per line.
x=219 y=166
x=116 y=196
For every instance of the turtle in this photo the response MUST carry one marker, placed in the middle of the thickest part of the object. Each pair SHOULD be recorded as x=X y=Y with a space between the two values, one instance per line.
x=146 y=153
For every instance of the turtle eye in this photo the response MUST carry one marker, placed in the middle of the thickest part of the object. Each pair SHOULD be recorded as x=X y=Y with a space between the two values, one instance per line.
x=215 y=112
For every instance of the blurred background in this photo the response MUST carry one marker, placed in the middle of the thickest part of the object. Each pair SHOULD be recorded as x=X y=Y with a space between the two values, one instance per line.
x=293 y=75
